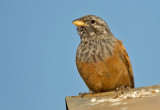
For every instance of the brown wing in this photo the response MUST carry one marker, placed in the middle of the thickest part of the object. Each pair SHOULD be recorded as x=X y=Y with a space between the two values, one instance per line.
x=125 y=58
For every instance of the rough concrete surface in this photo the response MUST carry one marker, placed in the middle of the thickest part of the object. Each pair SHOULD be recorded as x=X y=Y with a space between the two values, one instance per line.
x=145 y=98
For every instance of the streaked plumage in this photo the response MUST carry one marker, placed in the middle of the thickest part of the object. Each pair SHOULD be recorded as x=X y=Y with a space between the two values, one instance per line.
x=101 y=59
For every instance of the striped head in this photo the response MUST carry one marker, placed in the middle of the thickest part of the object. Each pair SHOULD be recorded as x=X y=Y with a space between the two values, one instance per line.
x=91 y=27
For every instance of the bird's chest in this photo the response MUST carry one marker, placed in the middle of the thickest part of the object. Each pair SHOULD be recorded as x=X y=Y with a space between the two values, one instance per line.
x=95 y=51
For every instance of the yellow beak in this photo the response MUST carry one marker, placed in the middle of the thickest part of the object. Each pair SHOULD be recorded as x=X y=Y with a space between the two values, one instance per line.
x=79 y=23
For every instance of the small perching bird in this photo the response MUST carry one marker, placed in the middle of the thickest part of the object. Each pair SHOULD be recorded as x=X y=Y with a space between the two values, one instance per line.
x=101 y=59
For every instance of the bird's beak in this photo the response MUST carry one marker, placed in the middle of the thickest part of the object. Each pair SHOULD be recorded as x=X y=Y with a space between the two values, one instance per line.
x=79 y=23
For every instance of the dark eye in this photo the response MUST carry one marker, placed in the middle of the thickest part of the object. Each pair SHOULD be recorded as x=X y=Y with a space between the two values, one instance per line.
x=92 y=21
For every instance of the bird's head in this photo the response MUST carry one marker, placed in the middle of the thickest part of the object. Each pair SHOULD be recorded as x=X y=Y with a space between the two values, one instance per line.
x=92 y=27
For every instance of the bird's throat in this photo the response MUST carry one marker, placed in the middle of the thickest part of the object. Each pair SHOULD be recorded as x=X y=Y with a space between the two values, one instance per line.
x=95 y=50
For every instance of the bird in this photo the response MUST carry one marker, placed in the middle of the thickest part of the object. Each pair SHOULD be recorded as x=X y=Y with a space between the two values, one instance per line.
x=101 y=58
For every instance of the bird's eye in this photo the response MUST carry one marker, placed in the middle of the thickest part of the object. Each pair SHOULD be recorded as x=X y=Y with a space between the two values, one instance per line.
x=92 y=21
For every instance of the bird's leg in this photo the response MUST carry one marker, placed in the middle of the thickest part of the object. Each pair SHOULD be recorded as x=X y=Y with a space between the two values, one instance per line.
x=123 y=88
x=92 y=92
x=85 y=93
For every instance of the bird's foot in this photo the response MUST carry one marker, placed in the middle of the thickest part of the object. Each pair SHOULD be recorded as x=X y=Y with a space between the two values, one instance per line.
x=123 y=88
x=92 y=92
x=85 y=93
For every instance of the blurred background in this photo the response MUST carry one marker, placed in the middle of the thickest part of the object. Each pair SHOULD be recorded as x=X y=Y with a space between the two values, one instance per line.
x=38 y=45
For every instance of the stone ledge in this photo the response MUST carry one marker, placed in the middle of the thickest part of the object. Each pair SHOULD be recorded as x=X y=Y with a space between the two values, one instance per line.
x=144 y=98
